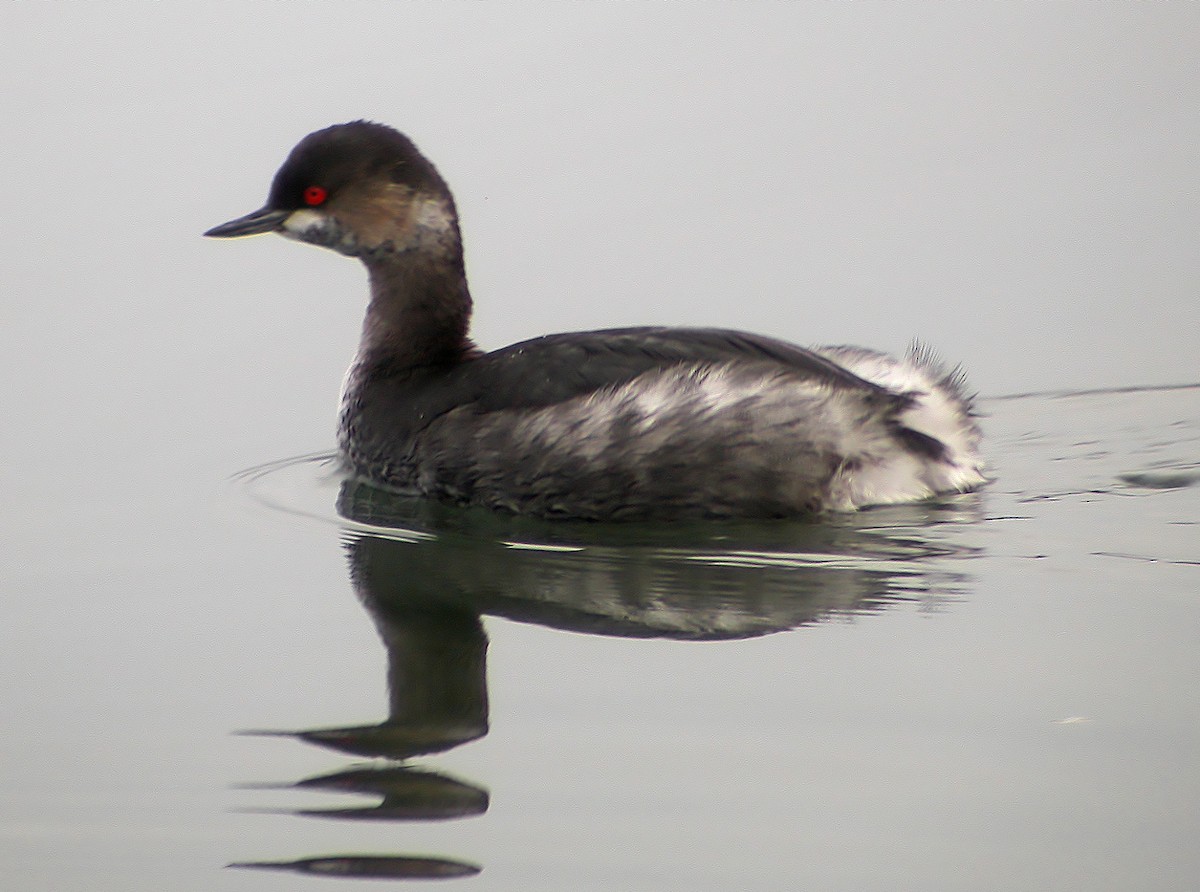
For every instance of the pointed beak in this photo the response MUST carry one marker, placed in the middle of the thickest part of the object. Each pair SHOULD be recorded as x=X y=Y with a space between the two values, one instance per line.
x=256 y=223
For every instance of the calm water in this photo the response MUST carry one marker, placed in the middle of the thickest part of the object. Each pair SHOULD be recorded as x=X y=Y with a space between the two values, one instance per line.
x=994 y=691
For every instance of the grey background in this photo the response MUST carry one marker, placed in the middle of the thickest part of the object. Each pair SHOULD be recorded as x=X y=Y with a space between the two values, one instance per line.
x=1014 y=184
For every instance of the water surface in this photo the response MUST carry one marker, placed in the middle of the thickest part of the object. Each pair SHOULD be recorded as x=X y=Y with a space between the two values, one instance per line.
x=994 y=690
x=988 y=691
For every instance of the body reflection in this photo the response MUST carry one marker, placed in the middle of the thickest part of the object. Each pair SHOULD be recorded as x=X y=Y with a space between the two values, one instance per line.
x=428 y=573
x=686 y=581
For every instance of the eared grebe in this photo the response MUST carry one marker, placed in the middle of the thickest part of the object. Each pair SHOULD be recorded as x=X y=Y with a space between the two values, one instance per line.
x=620 y=424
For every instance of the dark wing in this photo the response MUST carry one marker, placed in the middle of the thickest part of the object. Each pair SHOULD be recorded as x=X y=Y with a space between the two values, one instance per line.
x=396 y=403
x=555 y=368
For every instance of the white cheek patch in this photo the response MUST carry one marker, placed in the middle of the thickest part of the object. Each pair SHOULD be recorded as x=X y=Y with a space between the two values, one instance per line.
x=318 y=228
x=303 y=222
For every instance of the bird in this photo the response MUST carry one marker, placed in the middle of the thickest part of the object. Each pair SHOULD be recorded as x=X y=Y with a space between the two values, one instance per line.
x=648 y=423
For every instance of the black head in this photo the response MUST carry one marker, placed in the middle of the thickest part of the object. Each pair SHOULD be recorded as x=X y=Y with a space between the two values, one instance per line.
x=324 y=164
x=357 y=188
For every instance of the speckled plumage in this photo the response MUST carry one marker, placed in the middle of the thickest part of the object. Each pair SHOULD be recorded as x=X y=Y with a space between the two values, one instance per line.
x=608 y=425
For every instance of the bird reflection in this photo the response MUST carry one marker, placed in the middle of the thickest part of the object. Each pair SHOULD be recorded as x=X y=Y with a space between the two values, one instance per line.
x=406 y=794
x=702 y=581
x=427 y=574
x=379 y=867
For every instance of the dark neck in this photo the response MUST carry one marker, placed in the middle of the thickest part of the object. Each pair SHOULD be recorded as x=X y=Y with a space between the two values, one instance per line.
x=420 y=310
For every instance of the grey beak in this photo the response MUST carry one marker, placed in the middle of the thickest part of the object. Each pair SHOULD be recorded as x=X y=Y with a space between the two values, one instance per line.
x=260 y=221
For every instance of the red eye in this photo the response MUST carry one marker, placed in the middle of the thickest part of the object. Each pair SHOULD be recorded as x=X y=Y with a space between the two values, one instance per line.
x=315 y=195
